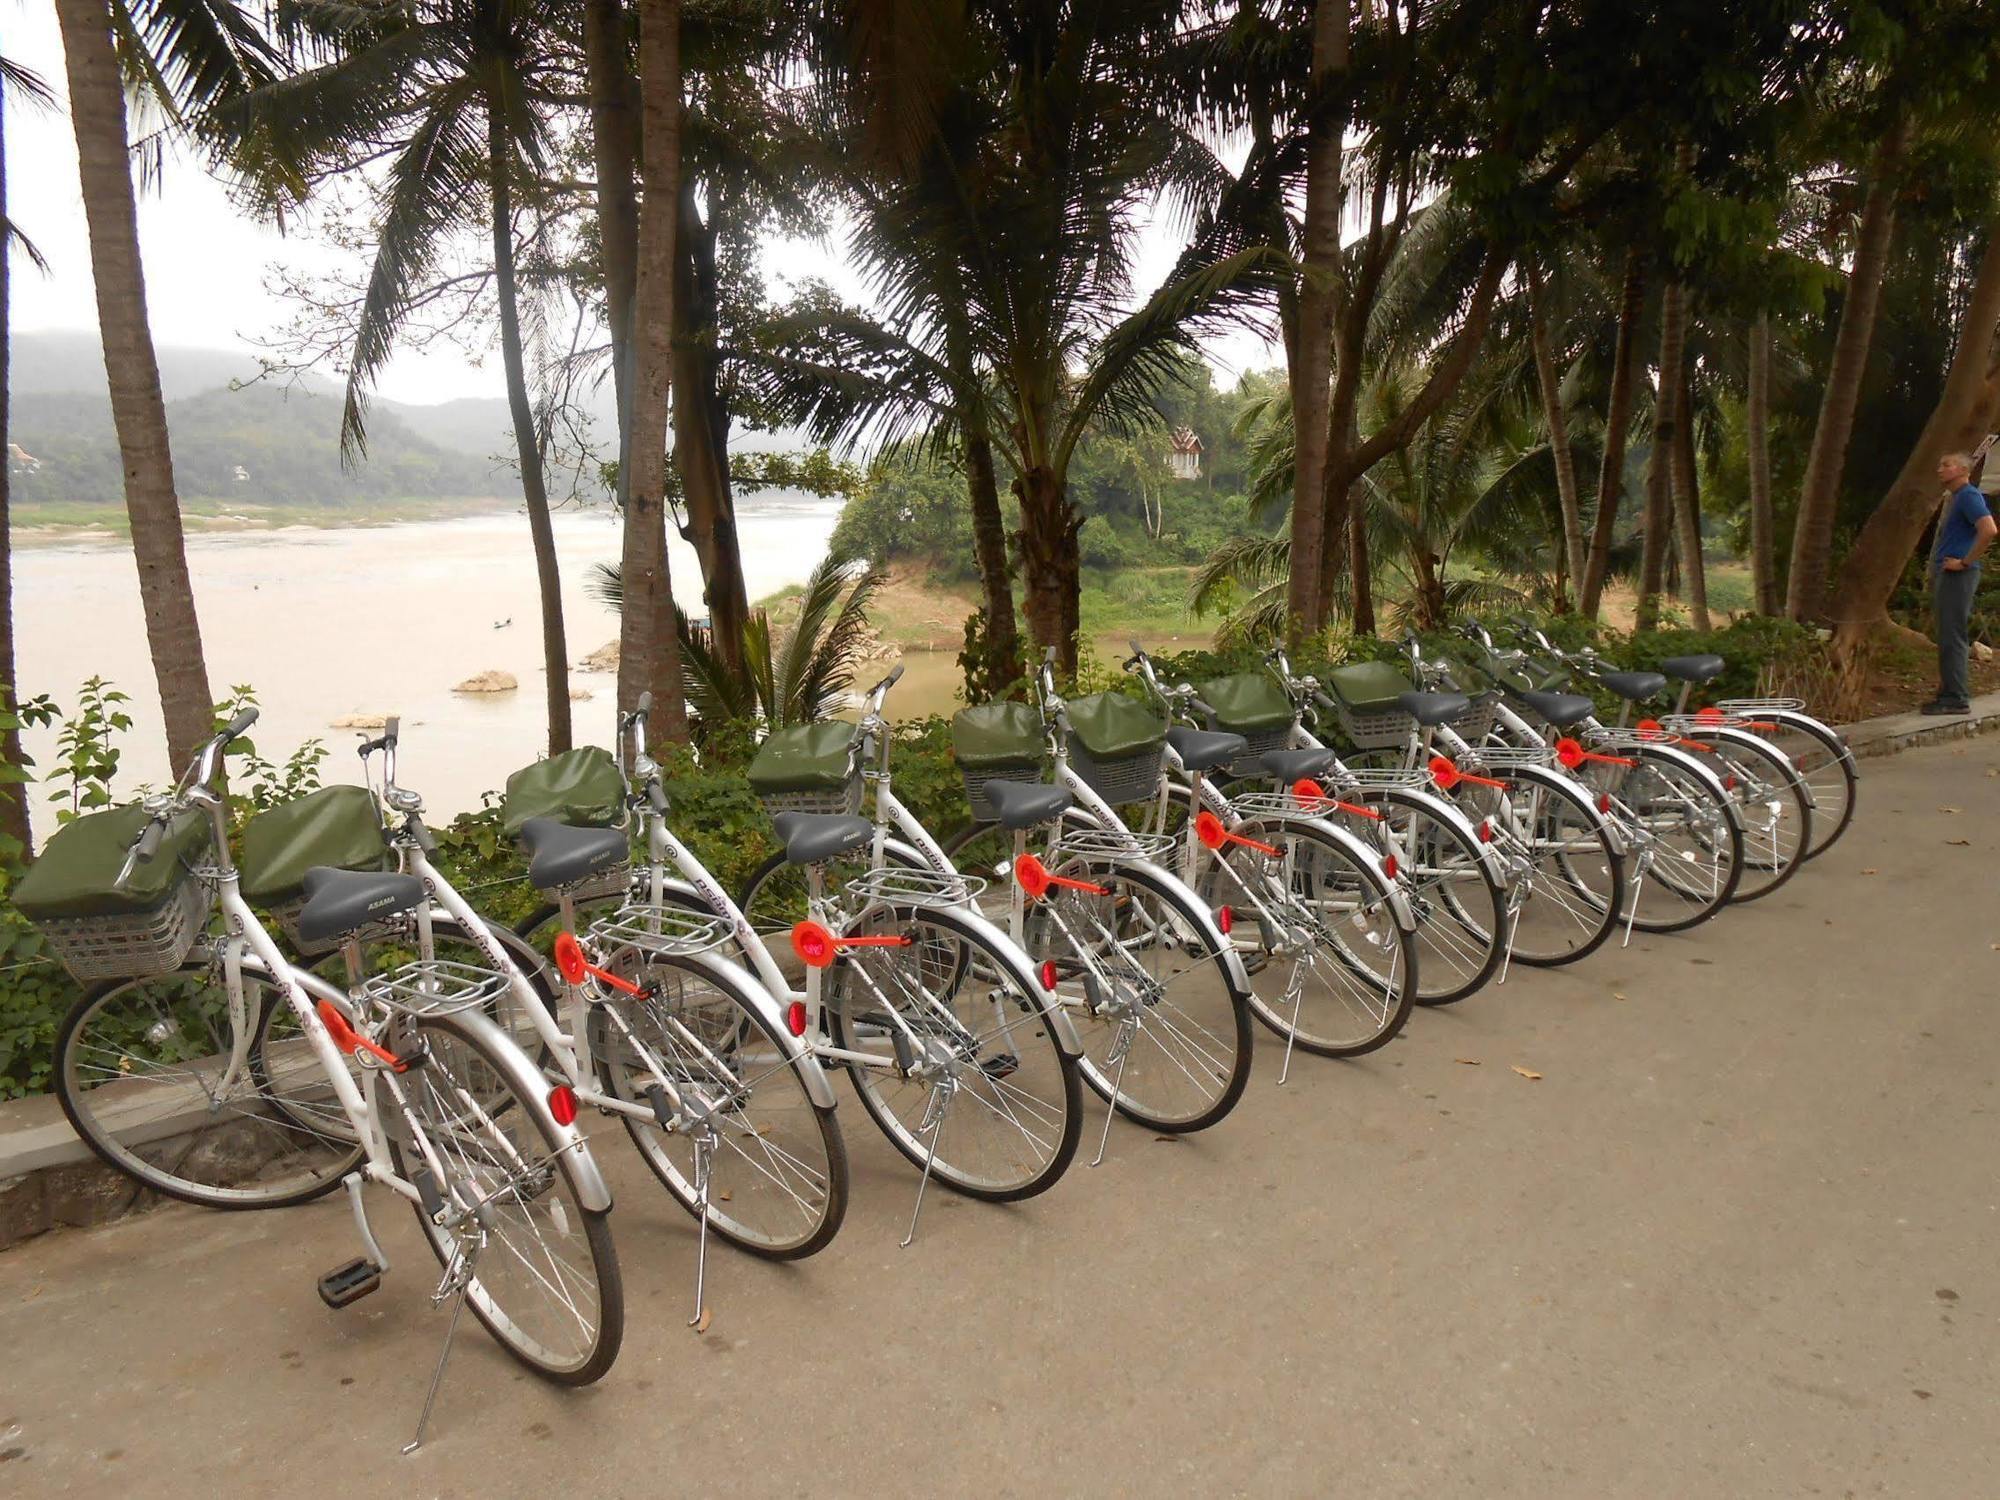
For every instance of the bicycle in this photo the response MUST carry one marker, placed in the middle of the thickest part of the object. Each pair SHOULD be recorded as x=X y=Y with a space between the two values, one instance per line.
x=1679 y=823
x=935 y=1016
x=1776 y=805
x=1461 y=884
x=1305 y=905
x=440 y=1106
x=730 y=1112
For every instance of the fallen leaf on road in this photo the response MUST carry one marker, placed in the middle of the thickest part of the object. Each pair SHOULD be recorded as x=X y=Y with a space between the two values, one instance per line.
x=1617 y=994
x=723 y=1194
x=1526 y=1072
x=1171 y=1140
x=701 y=1323
x=1959 y=843
x=1871 y=872
x=1950 y=809
x=1993 y=770
x=1473 y=1062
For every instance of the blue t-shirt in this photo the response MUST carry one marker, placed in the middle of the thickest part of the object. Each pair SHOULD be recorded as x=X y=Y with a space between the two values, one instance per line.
x=1961 y=523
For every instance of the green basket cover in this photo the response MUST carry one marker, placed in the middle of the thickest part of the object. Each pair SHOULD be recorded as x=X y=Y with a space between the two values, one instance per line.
x=1248 y=702
x=1367 y=684
x=997 y=736
x=336 y=825
x=1111 y=726
x=803 y=758
x=578 y=786
x=78 y=869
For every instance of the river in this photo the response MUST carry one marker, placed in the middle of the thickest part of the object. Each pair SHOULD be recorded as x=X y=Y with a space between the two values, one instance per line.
x=325 y=623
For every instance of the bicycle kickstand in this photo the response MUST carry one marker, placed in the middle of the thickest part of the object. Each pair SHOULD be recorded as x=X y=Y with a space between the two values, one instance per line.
x=704 y=1158
x=1120 y=1050
x=1295 y=989
x=932 y=1126
x=455 y=1283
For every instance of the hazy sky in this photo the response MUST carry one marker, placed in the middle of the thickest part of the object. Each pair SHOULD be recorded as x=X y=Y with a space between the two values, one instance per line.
x=207 y=264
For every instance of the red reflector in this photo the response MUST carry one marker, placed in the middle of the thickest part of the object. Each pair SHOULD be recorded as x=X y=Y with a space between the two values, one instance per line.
x=1225 y=918
x=1049 y=975
x=795 y=1018
x=1389 y=866
x=1604 y=802
x=569 y=957
x=562 y=1104
x=1486 y=830
x=1729 y=783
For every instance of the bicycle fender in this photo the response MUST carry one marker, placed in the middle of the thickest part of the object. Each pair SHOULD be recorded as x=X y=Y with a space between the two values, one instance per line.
x=1211 y=932
x=730 y=973
x=1364 y=855
x=1021 y=970
x=1600 y=820
x=591 y=1189
x=1447 y=811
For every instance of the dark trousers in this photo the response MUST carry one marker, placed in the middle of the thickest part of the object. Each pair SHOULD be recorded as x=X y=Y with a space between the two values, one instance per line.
x=1951 y=596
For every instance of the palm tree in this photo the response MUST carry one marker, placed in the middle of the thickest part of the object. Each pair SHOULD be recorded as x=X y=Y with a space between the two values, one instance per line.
x=191 y=57
x=448 y=102
x=13 y=799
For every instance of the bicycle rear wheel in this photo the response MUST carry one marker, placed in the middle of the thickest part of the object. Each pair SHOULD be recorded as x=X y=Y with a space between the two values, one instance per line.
x=1165 y=1026
x=1823 y=761
x=544 y=1276
x=1686 y=834
x=965 y=1067
x=1332 y=966
x=142 y=1070
x=1774 y=804
x=1569 y=890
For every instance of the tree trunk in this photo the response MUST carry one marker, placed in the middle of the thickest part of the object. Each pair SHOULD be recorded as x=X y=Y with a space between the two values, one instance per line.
x=1687 y=503
x=173 y=634
x=1660 y=464
x=1617 y=427
x=1757 y=422
x=649 y=646
x=527 y=447
x=1826 y=463
x=1966 y=411
x=1549 y=380
x=614 y=142
x=1363 y=571
x=13 y=794
x=701 y=435
x=1310 y=371
x=1049 y=562
x=989 y=545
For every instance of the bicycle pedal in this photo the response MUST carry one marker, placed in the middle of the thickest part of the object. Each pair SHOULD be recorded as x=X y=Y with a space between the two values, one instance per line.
x=350 y=1283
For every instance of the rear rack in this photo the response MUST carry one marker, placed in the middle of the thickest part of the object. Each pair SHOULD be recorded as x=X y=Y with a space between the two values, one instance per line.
x=664 y=930
x=433 y=987
x=1762 y=705
x=1124 y=844
x=898 y=885
x=1380 y=778
x=1283 y=805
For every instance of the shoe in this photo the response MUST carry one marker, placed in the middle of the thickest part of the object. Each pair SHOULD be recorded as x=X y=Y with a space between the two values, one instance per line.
x=1937 y=706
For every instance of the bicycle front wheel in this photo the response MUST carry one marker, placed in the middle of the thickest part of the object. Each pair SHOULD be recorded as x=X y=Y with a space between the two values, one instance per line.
x=543 y=1277
x=146 y=1071
x=1567 y=890
x=1685 y=834
x=957 y=1060
x=1823 y=761
x=1774 y=804
x=1164 y=1024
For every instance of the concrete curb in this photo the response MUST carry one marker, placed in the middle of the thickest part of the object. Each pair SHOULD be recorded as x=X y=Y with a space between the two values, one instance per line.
x=48 y=1177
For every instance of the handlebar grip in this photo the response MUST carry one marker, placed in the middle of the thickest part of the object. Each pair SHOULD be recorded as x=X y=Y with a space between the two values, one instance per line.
x=894 y=677
x=656 y=795
x=148 y=843
x=1049 y=656
x=644 y=706
x=1320 y=697
x=1201 y=705
x=392 y=728
x=1137 y=649
x=239 y=725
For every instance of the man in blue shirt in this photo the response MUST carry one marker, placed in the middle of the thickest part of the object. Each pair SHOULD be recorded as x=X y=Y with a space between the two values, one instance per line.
x=1965 y=530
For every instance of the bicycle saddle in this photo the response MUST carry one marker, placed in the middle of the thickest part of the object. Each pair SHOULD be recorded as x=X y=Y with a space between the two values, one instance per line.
x=1701 y=668
x=810 y=838
x=1434 y=708
x=1205 y=749
x=1559 y=709
x=339 y=901
x=561 y=853
x=1290 y=765
x=1634 y=686
x=1017 y=804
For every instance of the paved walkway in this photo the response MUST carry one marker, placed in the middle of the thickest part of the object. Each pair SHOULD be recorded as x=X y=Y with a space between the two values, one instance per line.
x=1736 y=1240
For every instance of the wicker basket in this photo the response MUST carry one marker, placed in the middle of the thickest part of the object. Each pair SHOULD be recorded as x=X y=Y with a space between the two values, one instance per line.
x=134 y=946
x=976 y=781
x=1375 y=728
x=1130 y=778
x=845 y=798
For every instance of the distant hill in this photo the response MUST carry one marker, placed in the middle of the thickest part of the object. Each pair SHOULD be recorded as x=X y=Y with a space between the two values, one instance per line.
x=259 y=445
